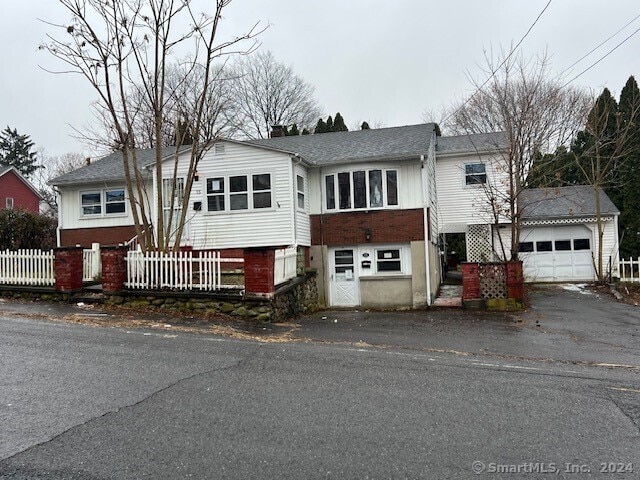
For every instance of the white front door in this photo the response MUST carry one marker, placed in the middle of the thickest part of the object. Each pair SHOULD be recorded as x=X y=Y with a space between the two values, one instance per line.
x=343 y=279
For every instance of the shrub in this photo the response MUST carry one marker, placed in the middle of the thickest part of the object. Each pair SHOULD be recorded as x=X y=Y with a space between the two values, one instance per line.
x=22 y=229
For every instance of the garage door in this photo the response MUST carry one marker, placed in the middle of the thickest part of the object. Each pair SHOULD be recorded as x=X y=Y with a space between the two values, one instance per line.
x=557 y=254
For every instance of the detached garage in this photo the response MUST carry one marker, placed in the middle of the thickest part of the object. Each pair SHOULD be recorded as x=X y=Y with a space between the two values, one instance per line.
x=559 y=234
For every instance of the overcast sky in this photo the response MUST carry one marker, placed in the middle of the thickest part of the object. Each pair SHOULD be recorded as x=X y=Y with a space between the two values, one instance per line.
x=380 y=61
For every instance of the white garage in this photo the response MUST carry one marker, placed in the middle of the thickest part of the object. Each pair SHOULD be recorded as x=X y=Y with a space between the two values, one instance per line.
x=559 y=240
x=557 y=253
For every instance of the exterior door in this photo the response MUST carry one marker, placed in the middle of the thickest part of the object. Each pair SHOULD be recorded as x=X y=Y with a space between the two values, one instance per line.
x=344 y=285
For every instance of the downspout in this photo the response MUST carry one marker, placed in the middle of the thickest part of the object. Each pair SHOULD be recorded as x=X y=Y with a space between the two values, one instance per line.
x=59 y=203
x=425 y=221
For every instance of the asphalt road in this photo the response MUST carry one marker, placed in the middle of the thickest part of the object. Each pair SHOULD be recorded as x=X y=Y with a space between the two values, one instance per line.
x=99 y=403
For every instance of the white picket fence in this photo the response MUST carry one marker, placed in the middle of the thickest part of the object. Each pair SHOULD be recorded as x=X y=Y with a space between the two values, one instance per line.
x=27 y=267
x=91 y=264
x=177 y=270
x=286 y=265
x=629 y=270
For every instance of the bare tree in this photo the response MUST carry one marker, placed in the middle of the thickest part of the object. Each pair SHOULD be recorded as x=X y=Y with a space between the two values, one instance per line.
x=267 y=93
x=53 y=166
x=536 y=113
x=123 y=48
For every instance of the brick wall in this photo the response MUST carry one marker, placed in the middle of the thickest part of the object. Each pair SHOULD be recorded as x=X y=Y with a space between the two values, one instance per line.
x=114 y=268
x=101 y=235
x=385 y=226
x=470 y=281
x=68 y=269
x=258 y=271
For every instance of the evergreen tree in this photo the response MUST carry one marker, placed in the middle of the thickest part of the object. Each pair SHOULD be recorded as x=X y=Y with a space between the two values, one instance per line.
x=305 y=131
x=338 y=124
x=293 y=131
x=321 y=127
x=365 y=126
x=630 y=209
x=329 y=124
x=17 y=151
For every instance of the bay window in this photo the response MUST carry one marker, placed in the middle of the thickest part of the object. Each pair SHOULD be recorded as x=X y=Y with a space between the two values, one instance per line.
x=361 y=189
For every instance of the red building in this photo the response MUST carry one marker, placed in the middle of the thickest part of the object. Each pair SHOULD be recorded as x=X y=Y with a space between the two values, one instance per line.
x=16 y=192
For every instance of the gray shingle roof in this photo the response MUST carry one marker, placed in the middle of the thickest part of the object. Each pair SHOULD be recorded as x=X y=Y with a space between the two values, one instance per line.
x=476 y=142
x=576 y=201
x=109 y=168
x=360 y=145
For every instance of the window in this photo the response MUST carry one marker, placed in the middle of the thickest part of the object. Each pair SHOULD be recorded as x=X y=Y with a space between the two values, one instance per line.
x=344 y=190
x=239 y=192
x=375 y=188
x=300 y=190
x=525 y=247
x=9 y=203
x=103 y=202
x=114 y=201
x=475 y=174
x=545 y=246
x=239 y=198
x=362 y=189
x=392 y=187
x=563 y=245
x=388 y=260
x=91 y=203
x=172 y=189
x=215 y=194
x=262 y=191
x=581 y=244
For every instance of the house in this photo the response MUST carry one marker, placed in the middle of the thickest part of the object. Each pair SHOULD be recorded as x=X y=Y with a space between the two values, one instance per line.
x=16 y=192
x=370 y=209
x=559 y=234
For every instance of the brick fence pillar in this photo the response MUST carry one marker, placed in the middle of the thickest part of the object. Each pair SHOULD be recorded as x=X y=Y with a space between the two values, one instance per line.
x=258 y=271
x=114 y=268
x=470 y=281
x=515 y=281
x=67 y=269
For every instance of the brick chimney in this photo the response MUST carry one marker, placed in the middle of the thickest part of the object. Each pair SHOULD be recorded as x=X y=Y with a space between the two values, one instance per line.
x=277 y=131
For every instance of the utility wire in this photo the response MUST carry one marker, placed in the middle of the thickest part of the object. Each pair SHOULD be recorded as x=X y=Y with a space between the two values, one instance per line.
x=493 y=73
x=602 y=58
x=597 y=47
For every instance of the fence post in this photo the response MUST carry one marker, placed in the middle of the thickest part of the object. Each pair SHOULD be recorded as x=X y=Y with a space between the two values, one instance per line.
x=470 y=281
x=114 y=268
x=515 y=281
x=67 y=268
x=259 y=270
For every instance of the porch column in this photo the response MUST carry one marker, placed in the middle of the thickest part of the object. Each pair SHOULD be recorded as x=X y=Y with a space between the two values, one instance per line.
x=114 y=268
x=259 y=266
x=67 y=268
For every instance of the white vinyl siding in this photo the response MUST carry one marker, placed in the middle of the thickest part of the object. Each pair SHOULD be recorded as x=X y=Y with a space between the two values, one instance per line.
x=241 y=228
x=71 y=211
x=460 y=204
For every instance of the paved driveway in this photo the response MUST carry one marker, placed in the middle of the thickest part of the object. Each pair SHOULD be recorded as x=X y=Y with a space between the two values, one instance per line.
x=564 y=323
